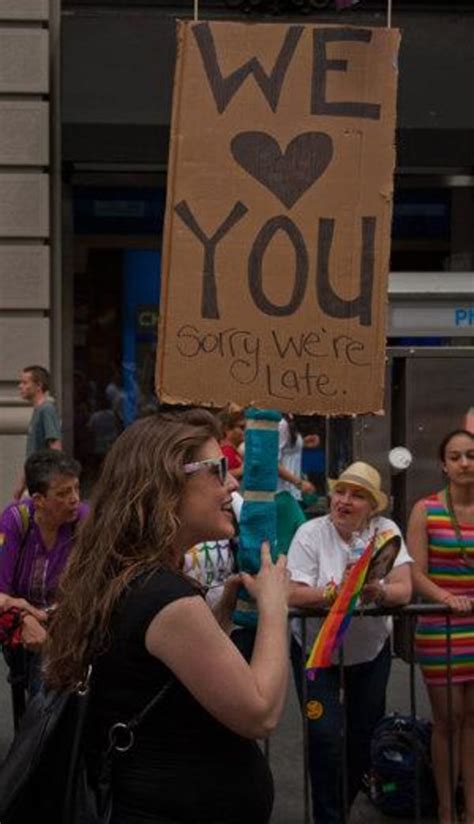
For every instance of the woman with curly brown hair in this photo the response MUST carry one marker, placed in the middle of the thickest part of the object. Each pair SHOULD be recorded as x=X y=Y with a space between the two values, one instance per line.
x=126 y=603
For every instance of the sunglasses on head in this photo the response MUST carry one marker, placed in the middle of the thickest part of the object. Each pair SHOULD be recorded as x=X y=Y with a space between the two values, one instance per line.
x=216 y=466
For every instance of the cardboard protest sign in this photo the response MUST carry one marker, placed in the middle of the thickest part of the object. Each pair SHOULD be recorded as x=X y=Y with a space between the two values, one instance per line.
x=277 y=235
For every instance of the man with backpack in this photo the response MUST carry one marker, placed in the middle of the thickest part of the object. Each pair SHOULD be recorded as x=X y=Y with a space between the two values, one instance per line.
x=36 y=537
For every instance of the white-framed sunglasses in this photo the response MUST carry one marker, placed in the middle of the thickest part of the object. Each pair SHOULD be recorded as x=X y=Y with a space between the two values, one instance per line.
x=217 y=466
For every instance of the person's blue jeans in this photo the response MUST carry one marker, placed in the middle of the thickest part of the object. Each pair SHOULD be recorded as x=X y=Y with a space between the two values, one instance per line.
x=364 y=686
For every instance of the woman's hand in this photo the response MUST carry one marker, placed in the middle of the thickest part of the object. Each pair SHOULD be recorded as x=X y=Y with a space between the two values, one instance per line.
x=33 y=634
x=459 y=604
x=6 y=602
x=9 y=602
x=307 y=488
x=270 y=587
x=229 y=593
x=373 y=593
x=225 y=606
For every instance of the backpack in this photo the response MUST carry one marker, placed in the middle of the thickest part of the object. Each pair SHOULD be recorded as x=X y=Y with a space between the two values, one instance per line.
x=400 y=753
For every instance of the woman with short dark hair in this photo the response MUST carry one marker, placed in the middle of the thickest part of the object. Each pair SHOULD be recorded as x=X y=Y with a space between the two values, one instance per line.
x=36 y=538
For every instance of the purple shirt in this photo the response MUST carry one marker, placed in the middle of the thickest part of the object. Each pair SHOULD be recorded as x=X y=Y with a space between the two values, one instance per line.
x=40 y=567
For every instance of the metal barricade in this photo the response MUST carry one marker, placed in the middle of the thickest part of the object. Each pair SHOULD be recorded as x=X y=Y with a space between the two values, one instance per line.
x=409 y=615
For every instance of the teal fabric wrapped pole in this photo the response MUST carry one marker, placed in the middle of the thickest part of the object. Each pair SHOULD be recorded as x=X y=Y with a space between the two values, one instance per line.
x=258 y=515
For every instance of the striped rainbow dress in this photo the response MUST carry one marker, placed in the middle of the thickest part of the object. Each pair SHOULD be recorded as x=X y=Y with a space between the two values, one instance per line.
x=447 y=569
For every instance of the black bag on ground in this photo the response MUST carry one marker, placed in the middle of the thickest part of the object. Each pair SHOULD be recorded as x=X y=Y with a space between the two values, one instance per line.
x=400 y=755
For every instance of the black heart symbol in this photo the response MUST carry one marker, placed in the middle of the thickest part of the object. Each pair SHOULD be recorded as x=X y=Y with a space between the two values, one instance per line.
x=286 y=174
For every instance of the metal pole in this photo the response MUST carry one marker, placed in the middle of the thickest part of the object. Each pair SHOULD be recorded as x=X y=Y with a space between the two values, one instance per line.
x=412 y=624
x=389 y=14
x=449 y=702
x=304 y=701
x=342 y=702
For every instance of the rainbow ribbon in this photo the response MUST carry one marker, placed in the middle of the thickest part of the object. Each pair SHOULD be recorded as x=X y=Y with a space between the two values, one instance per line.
x=335 y=626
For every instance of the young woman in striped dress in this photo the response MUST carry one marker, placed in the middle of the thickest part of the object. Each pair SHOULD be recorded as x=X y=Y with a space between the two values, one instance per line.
x=441 y=542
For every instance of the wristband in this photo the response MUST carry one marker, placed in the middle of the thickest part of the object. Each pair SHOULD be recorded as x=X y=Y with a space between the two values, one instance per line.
x=330 y=593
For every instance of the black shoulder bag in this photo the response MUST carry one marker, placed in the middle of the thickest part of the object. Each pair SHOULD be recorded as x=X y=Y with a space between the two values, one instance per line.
x=45 y=774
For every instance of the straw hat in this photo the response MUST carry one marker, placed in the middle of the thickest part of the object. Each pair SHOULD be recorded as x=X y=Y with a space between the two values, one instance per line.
x=363 y=476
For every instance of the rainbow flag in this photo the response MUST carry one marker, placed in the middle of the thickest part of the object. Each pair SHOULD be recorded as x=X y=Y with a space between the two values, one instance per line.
x=339 y=617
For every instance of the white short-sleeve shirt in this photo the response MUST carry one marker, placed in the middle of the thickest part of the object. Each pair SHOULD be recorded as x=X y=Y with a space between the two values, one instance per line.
x=211 y=562
x=317 y=556
x=290 y=456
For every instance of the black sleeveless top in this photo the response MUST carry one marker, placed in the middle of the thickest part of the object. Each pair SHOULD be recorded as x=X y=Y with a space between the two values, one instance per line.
x=185 y=766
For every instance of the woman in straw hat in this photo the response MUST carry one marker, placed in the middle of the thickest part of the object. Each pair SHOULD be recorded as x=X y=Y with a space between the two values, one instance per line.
x=321 y=553
x=441 y=538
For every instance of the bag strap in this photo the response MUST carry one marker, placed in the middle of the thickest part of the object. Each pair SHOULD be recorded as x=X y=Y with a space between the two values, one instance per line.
x=26 y=523
x=122 y=733
x=140 y=716
x=82 y=695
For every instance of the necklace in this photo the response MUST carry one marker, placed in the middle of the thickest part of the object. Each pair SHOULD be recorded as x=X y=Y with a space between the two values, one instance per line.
x=468 y=560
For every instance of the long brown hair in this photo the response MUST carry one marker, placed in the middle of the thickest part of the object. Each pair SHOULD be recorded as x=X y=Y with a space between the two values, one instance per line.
x=131 y=528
